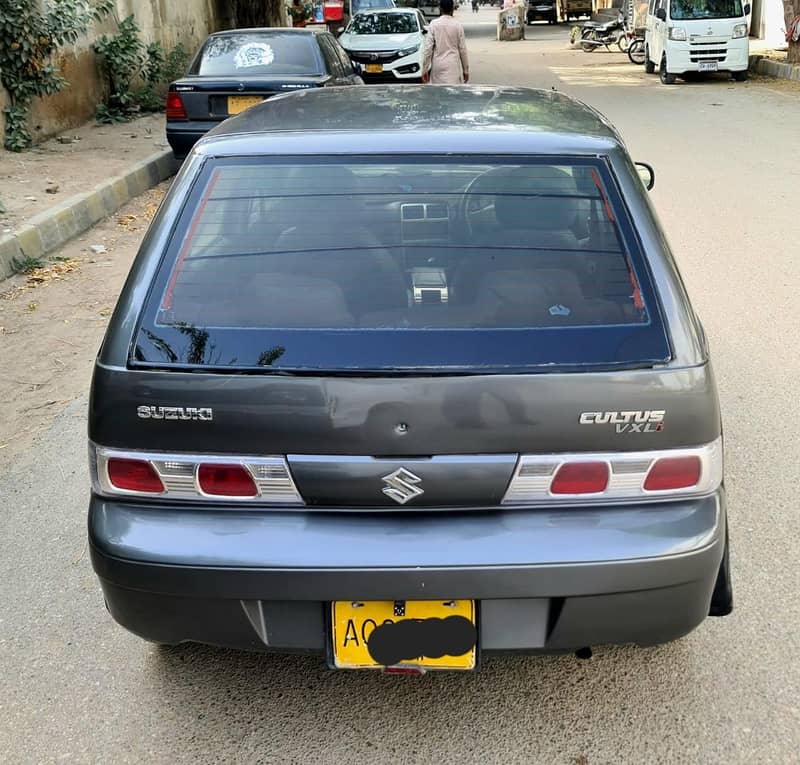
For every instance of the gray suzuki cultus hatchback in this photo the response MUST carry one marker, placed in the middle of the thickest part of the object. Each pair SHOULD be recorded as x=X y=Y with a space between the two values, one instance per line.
x=402 y=376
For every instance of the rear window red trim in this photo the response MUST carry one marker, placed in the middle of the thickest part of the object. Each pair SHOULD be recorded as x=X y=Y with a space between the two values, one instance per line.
x=638 y=302
x=187 y=242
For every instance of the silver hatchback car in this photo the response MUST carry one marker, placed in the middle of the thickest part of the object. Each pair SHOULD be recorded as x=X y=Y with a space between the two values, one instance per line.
x=402 y=376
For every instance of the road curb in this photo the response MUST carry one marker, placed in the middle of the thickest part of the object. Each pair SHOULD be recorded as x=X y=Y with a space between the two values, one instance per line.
x=52 y=228
x=771 y=68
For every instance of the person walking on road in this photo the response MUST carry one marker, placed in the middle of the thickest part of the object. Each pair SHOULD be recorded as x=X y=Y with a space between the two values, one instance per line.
x=445 y=60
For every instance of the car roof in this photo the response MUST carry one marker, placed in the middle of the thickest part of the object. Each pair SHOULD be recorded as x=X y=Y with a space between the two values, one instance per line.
x=418 y=118
x=373 y=11
x=298 y=31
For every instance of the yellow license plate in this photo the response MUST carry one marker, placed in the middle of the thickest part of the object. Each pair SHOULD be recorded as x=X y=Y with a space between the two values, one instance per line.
x=374 y=68
x=430 y=634
x=238 y=104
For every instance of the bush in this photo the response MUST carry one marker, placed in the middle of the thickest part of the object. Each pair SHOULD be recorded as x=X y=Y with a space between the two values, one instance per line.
x=137 y=73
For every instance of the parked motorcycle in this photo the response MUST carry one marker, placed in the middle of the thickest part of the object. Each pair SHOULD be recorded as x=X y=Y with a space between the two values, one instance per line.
x=595 y=34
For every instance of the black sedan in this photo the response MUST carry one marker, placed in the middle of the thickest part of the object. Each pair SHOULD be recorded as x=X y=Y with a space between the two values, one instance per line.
x=234 y=70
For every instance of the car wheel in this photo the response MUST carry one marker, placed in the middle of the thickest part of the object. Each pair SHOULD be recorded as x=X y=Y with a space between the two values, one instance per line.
x=664 y=75
x=740 y=76
x=649 y=66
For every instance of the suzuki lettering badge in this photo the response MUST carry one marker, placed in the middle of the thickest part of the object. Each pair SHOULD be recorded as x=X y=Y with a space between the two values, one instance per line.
x=401 y=486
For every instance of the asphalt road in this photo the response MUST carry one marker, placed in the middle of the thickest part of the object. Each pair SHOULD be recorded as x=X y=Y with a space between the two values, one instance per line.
x=76 y=688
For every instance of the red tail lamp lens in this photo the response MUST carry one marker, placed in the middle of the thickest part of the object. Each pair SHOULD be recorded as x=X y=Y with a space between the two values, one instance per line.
x=580 y=478
x=226 y=481
x=175 y=108
x=134 y=475
x=673 y=473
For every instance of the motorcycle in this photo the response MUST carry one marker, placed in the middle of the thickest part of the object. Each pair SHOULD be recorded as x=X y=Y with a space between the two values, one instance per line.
x=595 y=34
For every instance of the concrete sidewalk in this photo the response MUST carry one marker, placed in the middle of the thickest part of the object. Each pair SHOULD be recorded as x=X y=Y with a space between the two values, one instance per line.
x=772 y=68
x=62 y=188
x=771 y=61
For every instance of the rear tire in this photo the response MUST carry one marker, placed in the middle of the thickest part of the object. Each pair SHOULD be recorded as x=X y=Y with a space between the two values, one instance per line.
x=649 y=66
x=636 y=52
x=740 y=76
x=664 y=75
x=586 y=47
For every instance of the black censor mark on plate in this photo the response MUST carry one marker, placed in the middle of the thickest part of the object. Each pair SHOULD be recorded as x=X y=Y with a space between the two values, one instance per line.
x=408 y=639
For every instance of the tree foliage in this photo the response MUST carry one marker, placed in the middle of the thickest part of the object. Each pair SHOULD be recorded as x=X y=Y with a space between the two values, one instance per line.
x=31 y=33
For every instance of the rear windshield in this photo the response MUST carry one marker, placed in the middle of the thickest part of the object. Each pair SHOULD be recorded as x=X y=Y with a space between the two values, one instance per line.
x=378 y=264
x=384 y=24
x=259 y=54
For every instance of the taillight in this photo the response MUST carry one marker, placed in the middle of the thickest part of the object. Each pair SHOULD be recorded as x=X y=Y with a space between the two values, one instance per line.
x=175 y=108
x=134 y=475
x=580 y=478
x=612 y=477
x=226 y=481
x=671 y=473
x=193 y=477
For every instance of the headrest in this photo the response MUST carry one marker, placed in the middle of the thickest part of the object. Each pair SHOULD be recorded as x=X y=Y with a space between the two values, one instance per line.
x=291 y=300
x=335 y=185
x=519 y=204
x=543 y=288
x=324 y=179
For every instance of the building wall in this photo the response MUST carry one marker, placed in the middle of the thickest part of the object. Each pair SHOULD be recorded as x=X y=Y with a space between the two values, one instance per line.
x=166 y=21
x=767 y=21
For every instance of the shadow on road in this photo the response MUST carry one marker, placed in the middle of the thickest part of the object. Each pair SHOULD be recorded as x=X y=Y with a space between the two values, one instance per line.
x=508 y=705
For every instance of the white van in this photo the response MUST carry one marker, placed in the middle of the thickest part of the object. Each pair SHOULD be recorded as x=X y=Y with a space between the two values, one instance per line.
x=697 y=36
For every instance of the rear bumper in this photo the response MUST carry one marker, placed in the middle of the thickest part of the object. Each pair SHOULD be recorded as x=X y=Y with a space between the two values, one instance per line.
x=182 y=136
x=546 y=581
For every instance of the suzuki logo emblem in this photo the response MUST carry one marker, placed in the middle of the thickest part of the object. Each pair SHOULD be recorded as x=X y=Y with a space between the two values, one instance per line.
x=401 y=485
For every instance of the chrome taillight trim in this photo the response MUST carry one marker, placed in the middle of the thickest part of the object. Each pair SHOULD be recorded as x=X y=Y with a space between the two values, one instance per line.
x=530 y=484
x=178 y=474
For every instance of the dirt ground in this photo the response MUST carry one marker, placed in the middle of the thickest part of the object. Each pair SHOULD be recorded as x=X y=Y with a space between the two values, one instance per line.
x=52 y=323
x=94 y=152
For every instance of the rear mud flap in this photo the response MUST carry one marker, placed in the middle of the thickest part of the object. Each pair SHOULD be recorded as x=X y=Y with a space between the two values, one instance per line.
x=722 y=597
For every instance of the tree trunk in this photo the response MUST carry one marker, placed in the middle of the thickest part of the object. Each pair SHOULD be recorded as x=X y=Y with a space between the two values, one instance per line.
x=791 y=8
x=259 y=13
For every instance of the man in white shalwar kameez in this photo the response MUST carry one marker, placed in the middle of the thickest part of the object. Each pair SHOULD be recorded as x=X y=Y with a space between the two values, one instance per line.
x=445 y=61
